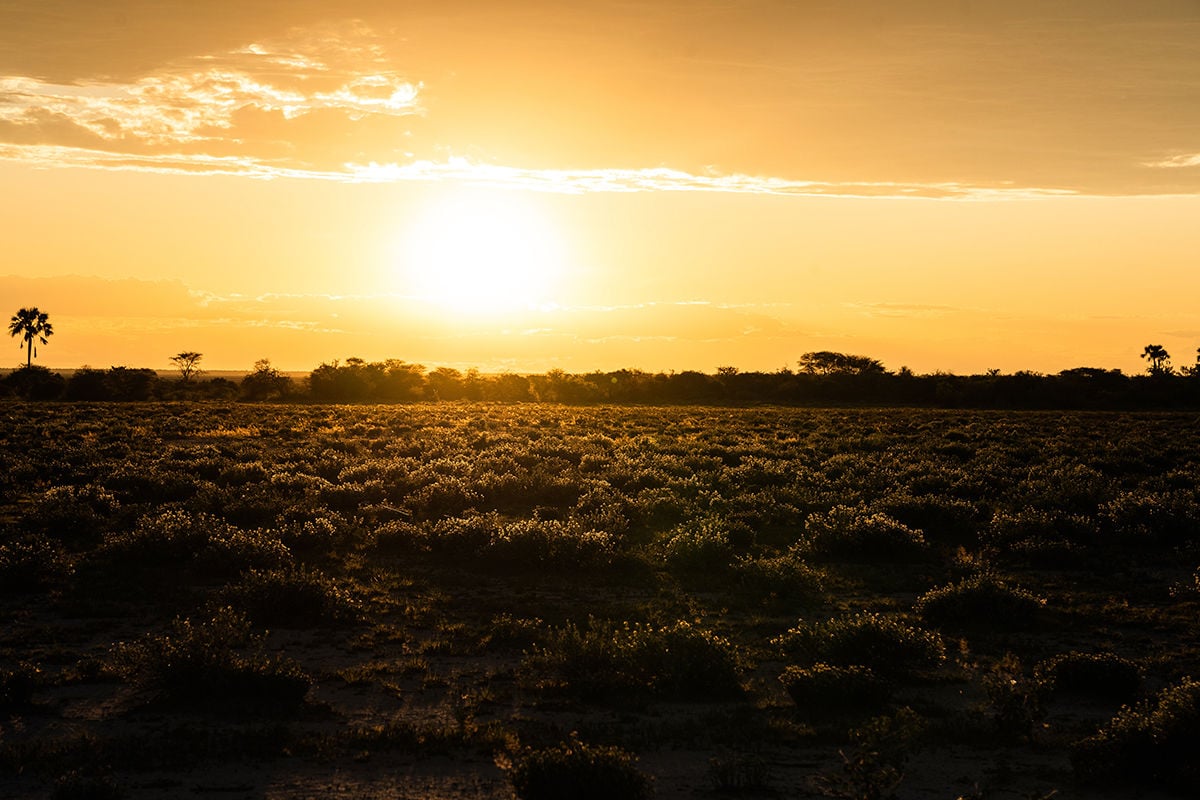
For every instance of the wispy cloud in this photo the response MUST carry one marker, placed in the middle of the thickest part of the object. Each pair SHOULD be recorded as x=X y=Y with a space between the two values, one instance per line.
x=205 y=116
x=1177 y=161
x=461 y=170
x=200 y=100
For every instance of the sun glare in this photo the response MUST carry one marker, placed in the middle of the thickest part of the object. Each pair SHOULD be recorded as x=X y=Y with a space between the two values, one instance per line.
x=480 y=254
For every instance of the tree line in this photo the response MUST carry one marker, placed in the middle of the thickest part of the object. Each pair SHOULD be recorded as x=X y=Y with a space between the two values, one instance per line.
x=811 y=383
x=820 y=378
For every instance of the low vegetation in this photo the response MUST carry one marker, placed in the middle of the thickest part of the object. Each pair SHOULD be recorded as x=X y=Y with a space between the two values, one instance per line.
x=488 y=599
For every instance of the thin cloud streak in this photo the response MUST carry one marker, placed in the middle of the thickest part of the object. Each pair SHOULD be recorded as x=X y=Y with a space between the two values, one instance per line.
x=1176 y=162
x=461 y=170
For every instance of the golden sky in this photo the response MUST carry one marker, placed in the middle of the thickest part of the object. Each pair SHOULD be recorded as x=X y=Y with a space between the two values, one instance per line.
x=945 y=184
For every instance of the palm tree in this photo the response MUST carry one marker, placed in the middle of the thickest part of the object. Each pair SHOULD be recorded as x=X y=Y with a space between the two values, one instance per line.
x=30 y=324
x=1159 y=359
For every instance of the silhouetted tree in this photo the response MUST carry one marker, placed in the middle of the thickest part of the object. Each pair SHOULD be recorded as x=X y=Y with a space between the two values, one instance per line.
x=130 y=383
x=827 y=362
x=33 y=383
x=265 y=382
x=30 y=324
x=446 y=383
x=1159 y=358
x=88 y=384
x=398 y=381
x=1194 y=370
x=187 y=363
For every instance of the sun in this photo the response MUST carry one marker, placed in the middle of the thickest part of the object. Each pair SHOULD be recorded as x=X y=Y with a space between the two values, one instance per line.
x=479 y=253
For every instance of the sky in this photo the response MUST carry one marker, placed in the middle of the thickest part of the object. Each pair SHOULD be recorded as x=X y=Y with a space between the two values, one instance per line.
x=940 y=184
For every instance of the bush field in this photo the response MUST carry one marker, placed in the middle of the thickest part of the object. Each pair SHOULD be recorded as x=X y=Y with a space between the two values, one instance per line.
x=463 y=594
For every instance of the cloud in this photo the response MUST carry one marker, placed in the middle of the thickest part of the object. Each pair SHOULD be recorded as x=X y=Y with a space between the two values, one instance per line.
x=461 y=170
x=201 y=99
x=1177 y=161
x=240 y=113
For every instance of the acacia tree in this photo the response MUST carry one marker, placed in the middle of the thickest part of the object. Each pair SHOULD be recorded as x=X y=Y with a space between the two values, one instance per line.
x=1159 y=359
x=30 y=324
x=827 y=362
x=187 y=363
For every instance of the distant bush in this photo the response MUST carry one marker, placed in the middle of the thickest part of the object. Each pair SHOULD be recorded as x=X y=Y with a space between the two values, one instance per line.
x=292 y=597
x=677 y=661
x=1064 y=483
x=824 y=690
x=857 y=534
x=136 y=483
x=319 y=535
x=578 y=771
x=1041 y=538
x=72 y=513
x=885 y=644
x=214 y=663
x=782 y=579
x=1153 y=743
x=1101 y=675
x=981 y=601
x=468 y=535
x=540 y=543
x=942 y=519
x=399 y=537
x=196 y=544
x=1154 y=518
x=701 y=545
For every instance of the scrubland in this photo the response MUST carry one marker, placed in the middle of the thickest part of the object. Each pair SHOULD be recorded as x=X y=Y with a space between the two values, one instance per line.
x=528 y=600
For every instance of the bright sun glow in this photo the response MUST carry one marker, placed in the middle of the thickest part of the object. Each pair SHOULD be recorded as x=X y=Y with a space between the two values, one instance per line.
x=476 y=254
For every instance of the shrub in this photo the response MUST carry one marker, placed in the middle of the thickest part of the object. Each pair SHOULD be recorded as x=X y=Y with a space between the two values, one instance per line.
x=784 y=579
x=463 y=536
x=319 y=535
x=942 y=519
x=1141 y=518
x=856 y=534
x=1100 y=675
x=701 y=545
x=874 y=768
x=196 y=544
x=75 y=513
x=1041 y=538
x=579 y=771
x=1016 y=701
x=826 y=690
x=676 y=661
x=981 y=601
x=885 y=644
x=397 y=537
x=540 y=543
x=1151 y=743
x=214 y=663
x=295 y=597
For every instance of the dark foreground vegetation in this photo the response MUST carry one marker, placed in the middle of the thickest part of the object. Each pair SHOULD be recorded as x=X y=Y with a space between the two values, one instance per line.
x=494 y=600
x=827 y=380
